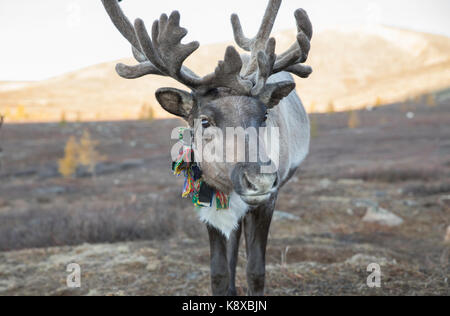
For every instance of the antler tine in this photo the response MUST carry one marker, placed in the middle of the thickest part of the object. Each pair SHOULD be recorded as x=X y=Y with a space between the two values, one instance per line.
x=123 y=24
x=303 y=71
x=304 y=23
x=166 y=50
x=147 y=46
x=228 y=74
x=259 y=41
x=262 y=47
x=266 y=60
x=242 y=41
x=267 y=24
x=263 y=61
x=127 y=30
x=137 y=71
x=297 y=54
x=170 y=49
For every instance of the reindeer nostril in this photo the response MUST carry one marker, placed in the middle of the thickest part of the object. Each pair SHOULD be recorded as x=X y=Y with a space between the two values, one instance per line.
x=247 y=183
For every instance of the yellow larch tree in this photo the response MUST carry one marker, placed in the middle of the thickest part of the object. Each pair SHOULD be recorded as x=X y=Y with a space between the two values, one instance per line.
x=68 y=165
x=87 y=153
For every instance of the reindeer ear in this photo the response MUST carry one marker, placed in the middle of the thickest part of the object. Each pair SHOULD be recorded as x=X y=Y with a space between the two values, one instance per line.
x=275 y=92
x=176 y=102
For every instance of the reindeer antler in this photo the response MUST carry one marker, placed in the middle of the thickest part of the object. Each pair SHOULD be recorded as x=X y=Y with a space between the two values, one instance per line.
x=166 y=51
x=297 y=54
x=264 y=62
x=127 y=30
x=163 y=53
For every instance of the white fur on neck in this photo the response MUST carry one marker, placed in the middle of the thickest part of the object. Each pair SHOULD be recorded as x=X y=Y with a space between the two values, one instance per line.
x=225 y=221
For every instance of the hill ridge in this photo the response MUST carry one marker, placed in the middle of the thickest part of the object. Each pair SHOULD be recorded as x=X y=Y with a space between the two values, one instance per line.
x=353 y=68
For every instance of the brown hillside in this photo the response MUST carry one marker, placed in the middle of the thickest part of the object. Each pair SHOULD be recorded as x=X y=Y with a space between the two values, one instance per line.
x=353 y=68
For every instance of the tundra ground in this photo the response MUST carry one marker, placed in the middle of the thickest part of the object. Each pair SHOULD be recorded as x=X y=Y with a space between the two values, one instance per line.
x=132 y=234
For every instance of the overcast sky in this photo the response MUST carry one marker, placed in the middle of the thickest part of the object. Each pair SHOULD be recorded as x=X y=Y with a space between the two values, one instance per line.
x=45 y=38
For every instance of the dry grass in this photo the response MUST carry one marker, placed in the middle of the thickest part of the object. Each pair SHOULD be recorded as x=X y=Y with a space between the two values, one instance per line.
x=48 y=227
x=306 y=257
x=426 y=190
x=395 y=174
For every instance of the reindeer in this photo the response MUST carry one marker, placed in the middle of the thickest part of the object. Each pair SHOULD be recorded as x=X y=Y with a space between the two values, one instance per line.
x=251 y=90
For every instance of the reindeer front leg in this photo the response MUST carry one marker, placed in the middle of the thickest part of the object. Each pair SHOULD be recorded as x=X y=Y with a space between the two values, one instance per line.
x=219 y=265
x=233 y=254
x=256 y=226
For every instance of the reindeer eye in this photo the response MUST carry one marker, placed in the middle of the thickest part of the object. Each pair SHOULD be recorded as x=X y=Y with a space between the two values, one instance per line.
x=205 y=123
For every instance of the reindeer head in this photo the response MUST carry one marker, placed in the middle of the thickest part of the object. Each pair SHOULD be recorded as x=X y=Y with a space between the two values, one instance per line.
x=236 y=94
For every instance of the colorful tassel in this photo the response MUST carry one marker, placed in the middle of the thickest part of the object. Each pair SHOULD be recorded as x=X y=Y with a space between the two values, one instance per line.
x=183 y=162
x=188 y=184
x=222 y=201
x=202 y=194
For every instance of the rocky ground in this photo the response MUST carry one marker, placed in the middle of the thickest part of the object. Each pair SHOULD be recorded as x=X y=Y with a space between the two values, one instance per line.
x=378 y=193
